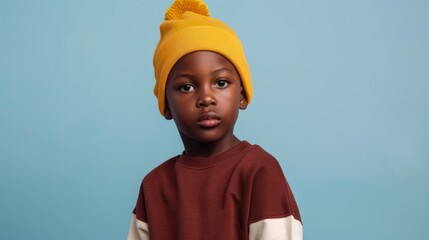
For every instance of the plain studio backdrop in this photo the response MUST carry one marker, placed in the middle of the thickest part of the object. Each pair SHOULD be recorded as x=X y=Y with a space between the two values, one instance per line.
x=341 y=100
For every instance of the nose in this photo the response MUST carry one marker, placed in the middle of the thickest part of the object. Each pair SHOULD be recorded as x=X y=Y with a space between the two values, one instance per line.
x=206 y=97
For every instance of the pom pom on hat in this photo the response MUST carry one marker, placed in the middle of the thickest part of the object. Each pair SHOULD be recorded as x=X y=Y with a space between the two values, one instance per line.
x=176 y=10
x=188 y=28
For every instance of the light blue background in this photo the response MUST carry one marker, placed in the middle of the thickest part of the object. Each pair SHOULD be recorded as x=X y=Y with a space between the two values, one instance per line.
x=341 y=99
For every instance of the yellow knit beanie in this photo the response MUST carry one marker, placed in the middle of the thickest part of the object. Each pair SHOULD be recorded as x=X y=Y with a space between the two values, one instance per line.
x=187 y=28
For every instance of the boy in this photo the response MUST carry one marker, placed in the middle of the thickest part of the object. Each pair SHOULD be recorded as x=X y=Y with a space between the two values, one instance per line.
x=220 y=188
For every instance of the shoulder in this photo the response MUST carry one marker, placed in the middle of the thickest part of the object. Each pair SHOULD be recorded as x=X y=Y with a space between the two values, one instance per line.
x=164 y=170
x=259 y=158
x=259 y=152
x=255 y=163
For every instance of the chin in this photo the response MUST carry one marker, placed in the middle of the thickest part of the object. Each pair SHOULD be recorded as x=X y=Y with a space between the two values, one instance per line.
x=206 y=137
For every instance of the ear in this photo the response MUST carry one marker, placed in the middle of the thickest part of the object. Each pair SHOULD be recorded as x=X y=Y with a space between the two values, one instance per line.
x=243 y=99
x=167 y=114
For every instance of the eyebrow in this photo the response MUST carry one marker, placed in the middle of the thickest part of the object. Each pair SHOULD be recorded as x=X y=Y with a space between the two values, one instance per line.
x=221 y=70
x=190 y=75
x=183 y=75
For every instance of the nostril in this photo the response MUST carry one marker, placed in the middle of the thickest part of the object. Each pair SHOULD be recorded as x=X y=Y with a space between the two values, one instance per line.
x=206 y=101
x=201 y=104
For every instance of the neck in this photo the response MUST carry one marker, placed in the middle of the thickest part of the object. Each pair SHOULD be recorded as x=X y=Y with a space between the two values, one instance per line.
x=207 y=149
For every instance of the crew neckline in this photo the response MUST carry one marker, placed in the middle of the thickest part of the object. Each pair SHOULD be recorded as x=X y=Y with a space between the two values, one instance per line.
x=205 y=162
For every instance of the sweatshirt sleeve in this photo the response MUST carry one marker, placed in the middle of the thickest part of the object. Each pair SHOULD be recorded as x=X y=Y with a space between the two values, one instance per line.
x=139 y=229
x=274 y=213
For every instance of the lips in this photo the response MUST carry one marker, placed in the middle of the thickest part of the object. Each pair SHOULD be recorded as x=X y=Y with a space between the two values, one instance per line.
x=209 y=120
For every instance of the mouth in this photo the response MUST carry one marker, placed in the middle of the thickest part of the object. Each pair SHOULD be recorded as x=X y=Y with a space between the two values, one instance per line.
x=209 y=120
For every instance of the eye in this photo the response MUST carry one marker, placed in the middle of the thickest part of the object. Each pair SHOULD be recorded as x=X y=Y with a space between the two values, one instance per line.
x=222 y=83
x=186 y=88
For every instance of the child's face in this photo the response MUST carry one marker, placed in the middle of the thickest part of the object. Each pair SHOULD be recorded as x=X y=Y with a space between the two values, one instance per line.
x=204 y=95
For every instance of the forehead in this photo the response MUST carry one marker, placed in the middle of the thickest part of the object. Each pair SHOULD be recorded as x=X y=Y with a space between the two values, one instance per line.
x=202 y=60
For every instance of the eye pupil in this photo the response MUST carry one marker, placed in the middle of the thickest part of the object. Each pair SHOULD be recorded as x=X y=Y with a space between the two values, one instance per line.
x=222 y=83
x=186 y=88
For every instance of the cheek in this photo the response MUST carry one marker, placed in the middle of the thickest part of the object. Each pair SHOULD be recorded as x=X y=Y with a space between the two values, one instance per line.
x=231 y=104
x=233 y=97
x=181 y=111
x=171 y=101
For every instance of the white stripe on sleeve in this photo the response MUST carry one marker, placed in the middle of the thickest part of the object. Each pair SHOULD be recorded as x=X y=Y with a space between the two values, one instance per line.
x=139 y=230
x=287 y=228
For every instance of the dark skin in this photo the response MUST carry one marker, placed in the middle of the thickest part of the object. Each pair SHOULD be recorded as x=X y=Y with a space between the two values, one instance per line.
x=204 y=96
